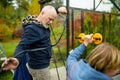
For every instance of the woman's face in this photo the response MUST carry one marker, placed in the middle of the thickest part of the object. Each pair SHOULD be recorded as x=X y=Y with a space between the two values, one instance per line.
x=112 y=73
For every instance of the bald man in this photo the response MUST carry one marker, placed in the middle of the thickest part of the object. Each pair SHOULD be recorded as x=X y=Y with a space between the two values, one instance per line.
x=36 y=35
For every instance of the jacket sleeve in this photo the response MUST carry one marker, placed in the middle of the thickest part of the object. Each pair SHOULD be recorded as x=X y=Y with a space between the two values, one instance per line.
x=74 y=55
x=29 y=37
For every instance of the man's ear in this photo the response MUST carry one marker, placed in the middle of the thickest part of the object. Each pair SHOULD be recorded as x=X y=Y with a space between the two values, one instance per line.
x=42 y=12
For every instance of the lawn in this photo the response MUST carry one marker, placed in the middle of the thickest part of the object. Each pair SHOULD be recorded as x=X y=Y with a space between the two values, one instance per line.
x=9 y=48
x=6 y=75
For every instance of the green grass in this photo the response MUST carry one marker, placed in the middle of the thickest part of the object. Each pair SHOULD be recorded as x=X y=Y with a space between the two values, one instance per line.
x=9 y=48
x=6 y=75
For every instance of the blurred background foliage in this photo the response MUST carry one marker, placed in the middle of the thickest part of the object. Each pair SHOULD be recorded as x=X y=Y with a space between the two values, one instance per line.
x=13 y=11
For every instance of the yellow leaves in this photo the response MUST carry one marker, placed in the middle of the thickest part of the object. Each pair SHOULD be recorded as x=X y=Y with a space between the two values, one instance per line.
x=34 y=8
x=1 y=21
x=5 y=32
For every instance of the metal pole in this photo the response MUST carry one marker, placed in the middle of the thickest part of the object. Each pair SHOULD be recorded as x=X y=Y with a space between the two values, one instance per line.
x=82 y=22
x=109 y=28
x=72 y=29
x=94 y=11
x=103 y=26
x=67 y=26
x=94 y=5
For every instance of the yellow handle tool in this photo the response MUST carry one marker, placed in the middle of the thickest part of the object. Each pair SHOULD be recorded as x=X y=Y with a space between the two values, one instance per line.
x=97 y=38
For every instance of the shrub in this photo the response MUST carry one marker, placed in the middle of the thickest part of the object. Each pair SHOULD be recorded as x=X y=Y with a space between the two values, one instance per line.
x=5 y=32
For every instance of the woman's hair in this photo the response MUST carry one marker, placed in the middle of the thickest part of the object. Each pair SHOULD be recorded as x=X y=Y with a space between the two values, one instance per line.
x=104 y=57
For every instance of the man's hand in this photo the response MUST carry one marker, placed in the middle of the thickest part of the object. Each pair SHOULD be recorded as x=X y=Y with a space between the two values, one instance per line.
x=62 y=10
x=10 y=64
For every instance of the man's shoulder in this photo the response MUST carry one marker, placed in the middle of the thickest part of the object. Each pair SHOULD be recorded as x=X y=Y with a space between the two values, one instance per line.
x=33 y=26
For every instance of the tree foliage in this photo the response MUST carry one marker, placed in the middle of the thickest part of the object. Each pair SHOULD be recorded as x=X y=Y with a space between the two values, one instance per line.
x=5 y=3
x=34 y=8
x=23 y=4
x=56 y=2
x=5 y=32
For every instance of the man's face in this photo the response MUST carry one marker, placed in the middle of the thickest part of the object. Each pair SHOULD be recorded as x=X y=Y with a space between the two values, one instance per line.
x=48 y=18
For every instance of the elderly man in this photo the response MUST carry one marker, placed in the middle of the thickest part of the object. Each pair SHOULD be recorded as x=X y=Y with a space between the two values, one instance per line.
x=36 y=34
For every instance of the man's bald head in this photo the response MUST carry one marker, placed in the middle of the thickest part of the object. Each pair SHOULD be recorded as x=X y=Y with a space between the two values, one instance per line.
x=47 y=15
x=49 y=9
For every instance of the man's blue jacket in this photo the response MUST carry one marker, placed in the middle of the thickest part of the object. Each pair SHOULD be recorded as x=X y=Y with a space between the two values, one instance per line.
x=22 y=73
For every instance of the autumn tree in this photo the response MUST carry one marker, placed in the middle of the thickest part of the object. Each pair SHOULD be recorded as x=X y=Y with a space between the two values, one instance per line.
x=34 y=8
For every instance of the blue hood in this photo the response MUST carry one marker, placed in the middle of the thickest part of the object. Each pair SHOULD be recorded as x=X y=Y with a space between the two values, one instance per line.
x=29 y=20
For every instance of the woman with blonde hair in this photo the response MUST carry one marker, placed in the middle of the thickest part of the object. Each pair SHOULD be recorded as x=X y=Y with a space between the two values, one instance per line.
x=102 y=63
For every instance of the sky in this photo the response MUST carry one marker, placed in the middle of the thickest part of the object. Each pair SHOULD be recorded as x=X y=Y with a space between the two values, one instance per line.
x=88 y=4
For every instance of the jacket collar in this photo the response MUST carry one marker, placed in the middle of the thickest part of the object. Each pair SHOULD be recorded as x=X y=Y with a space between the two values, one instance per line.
x=32 y=19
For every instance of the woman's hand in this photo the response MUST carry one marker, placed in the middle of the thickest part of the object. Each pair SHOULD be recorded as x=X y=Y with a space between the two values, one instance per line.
x=88 y=39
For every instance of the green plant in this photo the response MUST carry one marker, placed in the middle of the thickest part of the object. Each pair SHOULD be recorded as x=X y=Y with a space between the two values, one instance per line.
x=5 y=32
